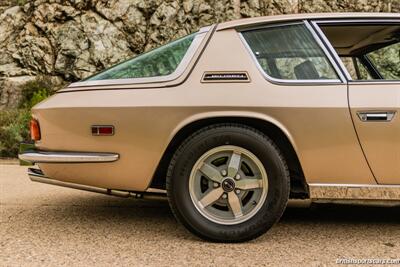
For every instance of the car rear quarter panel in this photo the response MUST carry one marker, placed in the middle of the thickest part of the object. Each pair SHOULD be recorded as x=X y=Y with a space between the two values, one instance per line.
x=315 y=118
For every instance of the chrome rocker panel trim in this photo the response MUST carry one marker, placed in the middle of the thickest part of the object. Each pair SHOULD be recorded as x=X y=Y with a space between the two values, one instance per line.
x=357 y=193
x=67 y=157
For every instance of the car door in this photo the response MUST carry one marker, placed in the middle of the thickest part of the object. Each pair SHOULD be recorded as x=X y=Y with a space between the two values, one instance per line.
x=375 y=108
x=306 y=93
x=372 y=52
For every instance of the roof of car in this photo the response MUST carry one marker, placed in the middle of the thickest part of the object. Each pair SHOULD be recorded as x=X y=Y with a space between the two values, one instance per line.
x=292 y=17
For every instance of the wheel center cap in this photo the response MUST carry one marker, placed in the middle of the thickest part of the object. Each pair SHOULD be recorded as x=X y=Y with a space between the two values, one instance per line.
x=228 y=184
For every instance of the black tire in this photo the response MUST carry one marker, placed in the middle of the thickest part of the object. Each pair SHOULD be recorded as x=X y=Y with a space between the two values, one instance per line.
x=218 y=135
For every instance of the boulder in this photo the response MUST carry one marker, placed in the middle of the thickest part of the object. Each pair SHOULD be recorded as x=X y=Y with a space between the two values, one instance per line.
x=10 y=90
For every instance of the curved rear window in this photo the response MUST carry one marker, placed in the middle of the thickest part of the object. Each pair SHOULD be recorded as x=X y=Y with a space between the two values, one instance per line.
x=161 y=61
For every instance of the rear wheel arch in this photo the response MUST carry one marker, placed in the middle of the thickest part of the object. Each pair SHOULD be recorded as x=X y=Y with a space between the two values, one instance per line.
x=299 y=187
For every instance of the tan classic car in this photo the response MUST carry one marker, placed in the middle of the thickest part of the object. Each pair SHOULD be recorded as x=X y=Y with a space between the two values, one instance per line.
x=236 y=119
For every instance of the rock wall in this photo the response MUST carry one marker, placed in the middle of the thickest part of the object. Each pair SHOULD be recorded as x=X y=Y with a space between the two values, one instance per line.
x=72 y=39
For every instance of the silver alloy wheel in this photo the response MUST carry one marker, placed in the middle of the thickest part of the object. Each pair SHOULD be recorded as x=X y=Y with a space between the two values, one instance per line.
x=228 y=185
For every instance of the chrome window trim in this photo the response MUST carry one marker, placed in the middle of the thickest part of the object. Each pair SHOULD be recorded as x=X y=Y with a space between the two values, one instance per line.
x=332 y=52
x=359 y=20
x=376 y=82
x=286 y=81
x=268 y=25
x=189 y=56
x=315 y=23
x=326 y=51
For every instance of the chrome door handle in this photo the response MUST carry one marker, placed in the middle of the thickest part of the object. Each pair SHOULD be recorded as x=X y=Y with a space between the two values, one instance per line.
x=376 y=115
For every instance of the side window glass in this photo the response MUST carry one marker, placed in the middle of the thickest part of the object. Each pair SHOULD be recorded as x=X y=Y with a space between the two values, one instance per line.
x=290 y=53
x=363 y=72
x=356 y=69
x=387 y=61
x=350 y=65
x=374 y=48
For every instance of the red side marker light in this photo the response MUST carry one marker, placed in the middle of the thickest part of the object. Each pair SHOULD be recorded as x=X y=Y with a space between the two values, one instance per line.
x=102 y=130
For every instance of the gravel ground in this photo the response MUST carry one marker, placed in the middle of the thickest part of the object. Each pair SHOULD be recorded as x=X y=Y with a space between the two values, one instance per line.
x=44 y=225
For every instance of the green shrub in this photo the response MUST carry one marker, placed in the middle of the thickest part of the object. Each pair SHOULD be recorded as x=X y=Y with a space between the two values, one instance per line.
x=35 y=91
x=37 y=97
x=14 y=129
x=14 y=123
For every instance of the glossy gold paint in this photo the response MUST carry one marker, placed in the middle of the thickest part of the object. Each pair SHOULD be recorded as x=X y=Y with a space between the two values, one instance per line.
x=380 y=140
x=316 y=118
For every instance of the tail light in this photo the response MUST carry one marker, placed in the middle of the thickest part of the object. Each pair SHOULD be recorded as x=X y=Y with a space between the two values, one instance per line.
x=35 y=130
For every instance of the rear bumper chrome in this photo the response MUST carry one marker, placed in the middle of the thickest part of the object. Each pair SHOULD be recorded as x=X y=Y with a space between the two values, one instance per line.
x=66 y=157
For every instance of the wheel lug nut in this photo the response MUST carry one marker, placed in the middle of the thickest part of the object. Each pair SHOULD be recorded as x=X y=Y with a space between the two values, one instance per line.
x=237 y=177
x=237 y=191
x=216 y=185
x=224 y=196
x=224 y=173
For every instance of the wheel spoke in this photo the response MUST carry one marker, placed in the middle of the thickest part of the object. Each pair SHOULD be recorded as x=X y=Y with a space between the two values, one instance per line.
x=211 y=197
x=247 y=184
x=235 y=204
x=228 y=185
x=234 y=164
x=211 y=172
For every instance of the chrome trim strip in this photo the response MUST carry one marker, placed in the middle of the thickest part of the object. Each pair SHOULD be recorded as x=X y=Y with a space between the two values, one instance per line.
x=355 y=185
x=374 y=82
x=327 y=52
x=246 y=28
x=176 y=74
x=354 y=192
x=67 y=157
x=359 y=20
x=309 y=16
x=332 y=51
x=156 y=191
x=36 y=175
x=359 y=202
x=290 y=82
